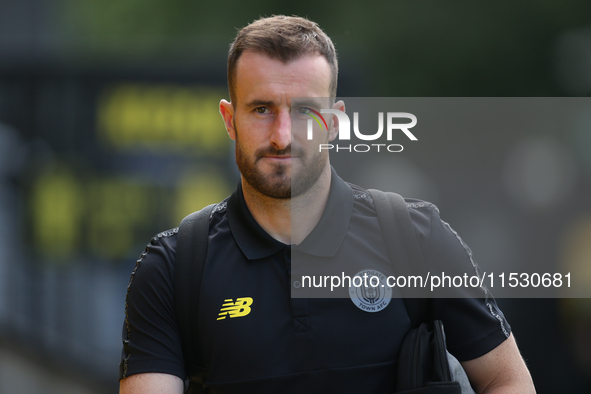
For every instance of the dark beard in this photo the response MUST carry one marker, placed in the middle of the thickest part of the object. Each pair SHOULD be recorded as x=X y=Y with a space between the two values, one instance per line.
x=279 y=184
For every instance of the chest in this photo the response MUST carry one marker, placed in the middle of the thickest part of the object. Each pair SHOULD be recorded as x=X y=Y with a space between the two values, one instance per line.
x=250 y=326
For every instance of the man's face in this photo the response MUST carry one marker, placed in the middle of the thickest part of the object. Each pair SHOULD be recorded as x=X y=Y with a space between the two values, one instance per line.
x=272 y=159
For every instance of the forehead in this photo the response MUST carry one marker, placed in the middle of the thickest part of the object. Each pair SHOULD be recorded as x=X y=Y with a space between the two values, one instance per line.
x=258 y=74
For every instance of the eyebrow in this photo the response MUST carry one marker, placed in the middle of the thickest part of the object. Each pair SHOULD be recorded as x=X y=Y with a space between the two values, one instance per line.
x=269 y=103
x=310 y=102
x=259 y=103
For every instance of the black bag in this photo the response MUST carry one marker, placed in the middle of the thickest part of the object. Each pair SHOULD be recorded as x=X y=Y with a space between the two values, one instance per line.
x=423 y=367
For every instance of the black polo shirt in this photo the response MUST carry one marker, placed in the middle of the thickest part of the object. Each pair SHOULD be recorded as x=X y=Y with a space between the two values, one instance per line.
x=257 y=338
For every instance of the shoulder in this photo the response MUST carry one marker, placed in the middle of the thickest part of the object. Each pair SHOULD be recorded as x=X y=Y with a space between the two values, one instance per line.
x=155 y=266
x=421 y=212
x=160 y=252
x=435 y=236
x=161 y=246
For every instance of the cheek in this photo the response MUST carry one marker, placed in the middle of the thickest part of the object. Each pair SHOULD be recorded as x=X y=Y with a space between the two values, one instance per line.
x=251 y=131
x=311 y=147
x=245 y=145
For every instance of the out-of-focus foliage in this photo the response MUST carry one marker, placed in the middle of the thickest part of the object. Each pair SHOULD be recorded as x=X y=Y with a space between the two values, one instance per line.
x=401 y=48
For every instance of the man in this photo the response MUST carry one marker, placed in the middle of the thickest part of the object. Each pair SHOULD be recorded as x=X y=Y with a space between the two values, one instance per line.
x=284 y=344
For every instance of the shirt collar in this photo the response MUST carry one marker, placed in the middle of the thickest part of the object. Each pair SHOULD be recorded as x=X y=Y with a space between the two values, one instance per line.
x=324 y=240
x=254 y=242
x=329 y=233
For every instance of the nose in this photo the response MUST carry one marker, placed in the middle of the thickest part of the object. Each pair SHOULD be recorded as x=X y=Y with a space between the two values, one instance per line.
x=281 y=133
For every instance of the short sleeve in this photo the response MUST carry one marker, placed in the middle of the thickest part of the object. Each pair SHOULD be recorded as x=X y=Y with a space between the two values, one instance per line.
x=151 y=341
x=473 y=326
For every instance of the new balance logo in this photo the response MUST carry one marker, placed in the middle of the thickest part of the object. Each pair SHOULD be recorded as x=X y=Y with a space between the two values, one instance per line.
x=235 y=309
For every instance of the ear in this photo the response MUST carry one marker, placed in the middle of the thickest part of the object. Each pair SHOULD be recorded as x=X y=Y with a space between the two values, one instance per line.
x=334 y=130
x=227 y=111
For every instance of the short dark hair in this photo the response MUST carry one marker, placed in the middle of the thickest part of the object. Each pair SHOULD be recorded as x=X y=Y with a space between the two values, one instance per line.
x=285 y=38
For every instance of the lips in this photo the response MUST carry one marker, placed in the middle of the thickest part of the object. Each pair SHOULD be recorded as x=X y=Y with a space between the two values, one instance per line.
x=278 y=159
x=282 y=155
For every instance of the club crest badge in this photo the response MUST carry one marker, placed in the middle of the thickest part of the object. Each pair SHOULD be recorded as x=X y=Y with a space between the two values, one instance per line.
x=369 y=291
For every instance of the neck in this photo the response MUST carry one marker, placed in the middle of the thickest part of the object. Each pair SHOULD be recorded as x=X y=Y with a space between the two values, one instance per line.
x=289 y=220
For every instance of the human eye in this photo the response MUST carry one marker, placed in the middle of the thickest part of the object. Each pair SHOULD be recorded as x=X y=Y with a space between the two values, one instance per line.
x=261 y=110
x=302 y=112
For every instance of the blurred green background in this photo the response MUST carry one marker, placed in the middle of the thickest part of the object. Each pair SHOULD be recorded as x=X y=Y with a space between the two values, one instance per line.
x=109 y=134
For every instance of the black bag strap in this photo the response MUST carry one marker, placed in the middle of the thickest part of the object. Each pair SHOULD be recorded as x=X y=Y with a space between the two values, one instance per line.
x=406 y=255
x=423 y=364
x=191 y=253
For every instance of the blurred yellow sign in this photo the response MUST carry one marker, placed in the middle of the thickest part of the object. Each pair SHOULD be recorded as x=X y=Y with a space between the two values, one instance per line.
x=162 y=118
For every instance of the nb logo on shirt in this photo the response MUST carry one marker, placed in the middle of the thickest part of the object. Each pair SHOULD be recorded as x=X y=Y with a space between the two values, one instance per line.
x=235 y=309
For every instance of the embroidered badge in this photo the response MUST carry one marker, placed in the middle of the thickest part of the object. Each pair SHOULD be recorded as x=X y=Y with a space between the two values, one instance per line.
x=369 y=291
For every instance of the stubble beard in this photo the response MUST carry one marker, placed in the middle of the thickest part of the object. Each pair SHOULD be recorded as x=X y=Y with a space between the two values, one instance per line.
x=281 y=182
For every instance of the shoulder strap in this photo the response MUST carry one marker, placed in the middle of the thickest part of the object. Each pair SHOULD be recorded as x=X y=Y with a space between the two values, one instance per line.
x=403 y=247
x=191 y=253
